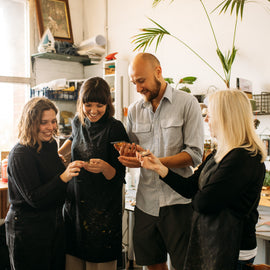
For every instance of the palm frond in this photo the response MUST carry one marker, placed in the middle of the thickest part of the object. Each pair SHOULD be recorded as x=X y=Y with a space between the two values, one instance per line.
x=231 y=57
x=237 y=5
x=145 y=39
x=222 y=59
x=156 y=2
x=227 y=61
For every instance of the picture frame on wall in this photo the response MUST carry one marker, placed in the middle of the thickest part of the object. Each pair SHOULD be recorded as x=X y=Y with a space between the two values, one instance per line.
x=55 y=15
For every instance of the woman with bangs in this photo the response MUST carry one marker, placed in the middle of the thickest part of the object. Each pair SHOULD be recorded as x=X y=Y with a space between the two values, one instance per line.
x=93 y=207
x=225 y=189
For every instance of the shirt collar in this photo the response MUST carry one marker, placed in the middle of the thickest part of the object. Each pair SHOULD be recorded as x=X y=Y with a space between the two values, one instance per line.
x=167 y=95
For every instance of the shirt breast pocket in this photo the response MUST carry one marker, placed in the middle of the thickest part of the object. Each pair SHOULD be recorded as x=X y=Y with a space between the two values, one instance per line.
x=172 y=133
x=143 y=133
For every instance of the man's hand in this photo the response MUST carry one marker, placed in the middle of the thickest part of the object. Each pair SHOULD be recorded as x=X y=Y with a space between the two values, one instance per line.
x=126 y=149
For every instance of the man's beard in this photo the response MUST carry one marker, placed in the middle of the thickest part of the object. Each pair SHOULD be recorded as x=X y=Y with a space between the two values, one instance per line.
x=155 y=92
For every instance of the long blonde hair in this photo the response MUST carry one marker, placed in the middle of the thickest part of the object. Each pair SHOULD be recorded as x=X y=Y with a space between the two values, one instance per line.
x=232 y=121
x=30 y=121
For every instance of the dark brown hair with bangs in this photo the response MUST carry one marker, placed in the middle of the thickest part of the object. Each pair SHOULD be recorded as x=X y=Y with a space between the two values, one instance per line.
x=97 y=90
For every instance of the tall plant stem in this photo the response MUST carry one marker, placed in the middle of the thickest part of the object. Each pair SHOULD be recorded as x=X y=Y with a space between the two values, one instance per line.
x=234 y=37
x=208 y=18
x=227 y=75
x=199 y=57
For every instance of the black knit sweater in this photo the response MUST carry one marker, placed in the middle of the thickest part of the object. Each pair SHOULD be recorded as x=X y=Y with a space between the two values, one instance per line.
x=33 y=178
x=235 y=184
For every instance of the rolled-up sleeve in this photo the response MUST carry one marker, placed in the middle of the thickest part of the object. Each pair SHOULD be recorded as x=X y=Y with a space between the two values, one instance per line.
x=193 y=132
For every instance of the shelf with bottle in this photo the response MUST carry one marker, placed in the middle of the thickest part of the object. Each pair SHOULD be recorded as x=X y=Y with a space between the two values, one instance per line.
x=55 y=94
x=262 y=103
x=67 y=93
x=115 y=74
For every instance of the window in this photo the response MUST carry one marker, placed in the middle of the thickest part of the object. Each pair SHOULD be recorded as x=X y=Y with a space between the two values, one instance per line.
x=14 y=68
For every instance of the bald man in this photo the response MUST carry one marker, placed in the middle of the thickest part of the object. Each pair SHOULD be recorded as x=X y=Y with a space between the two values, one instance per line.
x=169 y=123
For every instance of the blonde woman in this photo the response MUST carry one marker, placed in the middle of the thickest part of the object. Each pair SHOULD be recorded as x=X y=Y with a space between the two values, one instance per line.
x=225 y=189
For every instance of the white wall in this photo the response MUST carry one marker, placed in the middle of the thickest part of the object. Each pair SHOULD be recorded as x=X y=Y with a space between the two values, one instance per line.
x=186 y=20
x=77 y=20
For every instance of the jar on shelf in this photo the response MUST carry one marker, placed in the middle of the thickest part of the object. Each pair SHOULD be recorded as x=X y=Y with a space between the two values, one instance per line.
x=4 y=170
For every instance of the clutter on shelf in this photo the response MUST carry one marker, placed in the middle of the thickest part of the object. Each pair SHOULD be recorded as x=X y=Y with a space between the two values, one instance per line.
x=93 y=47
x=60 y=89
x=65 y=122
x=111 y=56
x=47 y=42
x=262 y=103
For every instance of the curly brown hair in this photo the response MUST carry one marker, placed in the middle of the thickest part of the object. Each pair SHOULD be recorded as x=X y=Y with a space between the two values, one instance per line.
x=31 y=119
x=95 y=89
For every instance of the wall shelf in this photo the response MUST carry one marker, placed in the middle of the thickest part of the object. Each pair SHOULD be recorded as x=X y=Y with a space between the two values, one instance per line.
x=85 y=60
x=262 y=103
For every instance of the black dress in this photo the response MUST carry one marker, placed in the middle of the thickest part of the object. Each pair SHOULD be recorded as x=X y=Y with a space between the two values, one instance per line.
x=93 y=208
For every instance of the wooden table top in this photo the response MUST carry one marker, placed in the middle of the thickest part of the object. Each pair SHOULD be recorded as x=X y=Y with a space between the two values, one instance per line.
x=3 y=185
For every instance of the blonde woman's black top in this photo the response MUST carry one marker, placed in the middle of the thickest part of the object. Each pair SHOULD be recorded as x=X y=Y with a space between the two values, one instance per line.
x=233 y=184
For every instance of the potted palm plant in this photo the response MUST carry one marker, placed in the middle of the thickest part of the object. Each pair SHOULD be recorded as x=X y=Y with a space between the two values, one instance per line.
x=156 y=34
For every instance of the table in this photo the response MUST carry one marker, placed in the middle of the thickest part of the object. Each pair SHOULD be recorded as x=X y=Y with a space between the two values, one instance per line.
x=3 y=199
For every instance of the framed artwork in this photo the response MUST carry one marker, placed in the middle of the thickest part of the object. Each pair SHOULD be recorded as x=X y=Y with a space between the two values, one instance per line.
x=54 y=14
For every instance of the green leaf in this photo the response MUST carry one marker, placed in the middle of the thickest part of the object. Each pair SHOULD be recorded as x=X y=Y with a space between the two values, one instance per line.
x=156 y=2
x=188 y=80
x=231 y=57
x=227 y=62
x=267 y=179
x=222 y=60
x=145 y=39
x=237 y=5
x=169 y=80
x=186 y=89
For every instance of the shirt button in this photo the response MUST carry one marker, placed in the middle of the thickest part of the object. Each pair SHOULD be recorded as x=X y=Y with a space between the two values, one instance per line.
x=15 y=218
